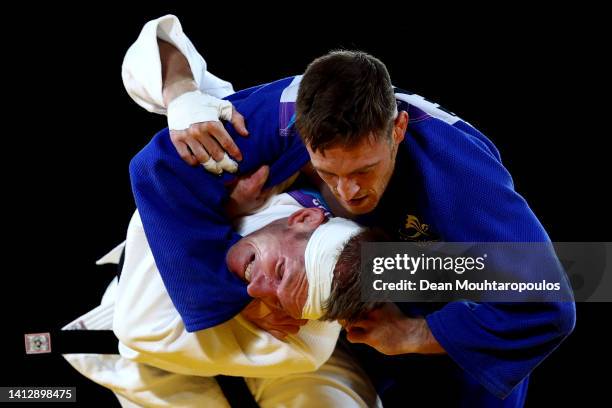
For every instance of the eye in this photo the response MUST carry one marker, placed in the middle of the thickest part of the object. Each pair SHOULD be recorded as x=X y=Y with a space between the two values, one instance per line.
x=325 y=175
x=280 y=270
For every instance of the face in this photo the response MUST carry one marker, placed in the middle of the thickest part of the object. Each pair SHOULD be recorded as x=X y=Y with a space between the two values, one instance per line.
x=358 y=175
x=271 y=261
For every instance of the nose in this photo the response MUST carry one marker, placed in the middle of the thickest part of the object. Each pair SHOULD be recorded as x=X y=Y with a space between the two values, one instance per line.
x=347 y=188
x=261 y=288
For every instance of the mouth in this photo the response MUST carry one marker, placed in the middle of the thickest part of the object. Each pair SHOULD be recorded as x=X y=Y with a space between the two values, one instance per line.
x=357 y=201
x=248 y=270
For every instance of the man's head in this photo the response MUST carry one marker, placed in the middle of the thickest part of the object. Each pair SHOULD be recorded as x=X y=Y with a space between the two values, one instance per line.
x=347 y=116
x=272 y=259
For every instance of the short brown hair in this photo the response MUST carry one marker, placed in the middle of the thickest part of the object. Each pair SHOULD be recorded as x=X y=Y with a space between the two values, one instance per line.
x=343 y=97
x=345 y=302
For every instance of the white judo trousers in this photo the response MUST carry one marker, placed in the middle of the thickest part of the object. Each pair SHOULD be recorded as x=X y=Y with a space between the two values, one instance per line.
x=162 y=365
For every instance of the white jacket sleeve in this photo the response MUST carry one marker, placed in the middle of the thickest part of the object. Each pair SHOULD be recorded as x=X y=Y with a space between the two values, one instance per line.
x=141 y=70
x=151 y=331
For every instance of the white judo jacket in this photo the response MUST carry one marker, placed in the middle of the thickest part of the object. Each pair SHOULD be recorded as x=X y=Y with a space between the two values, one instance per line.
x=156 y=350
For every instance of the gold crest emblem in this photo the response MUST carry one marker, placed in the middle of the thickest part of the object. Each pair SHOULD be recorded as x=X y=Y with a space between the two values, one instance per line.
x=414 y=230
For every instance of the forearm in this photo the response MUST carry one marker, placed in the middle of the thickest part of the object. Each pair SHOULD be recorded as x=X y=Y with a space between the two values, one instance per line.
x=181 y=208
x=177 y=77
x=163 y=46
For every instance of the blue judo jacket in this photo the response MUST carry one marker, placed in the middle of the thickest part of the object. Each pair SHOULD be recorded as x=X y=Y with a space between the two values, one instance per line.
x=461 y=191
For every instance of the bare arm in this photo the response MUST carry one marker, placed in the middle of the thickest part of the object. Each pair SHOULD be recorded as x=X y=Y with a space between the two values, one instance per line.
x=164 y=73
x=177 y=77
x=201 y=140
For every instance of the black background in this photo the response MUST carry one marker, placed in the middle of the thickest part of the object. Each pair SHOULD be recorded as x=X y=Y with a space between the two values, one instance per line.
x=529 y=79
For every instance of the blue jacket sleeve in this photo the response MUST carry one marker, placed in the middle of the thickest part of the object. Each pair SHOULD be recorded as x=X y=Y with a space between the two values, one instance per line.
x=471 y=197
x=181 y=208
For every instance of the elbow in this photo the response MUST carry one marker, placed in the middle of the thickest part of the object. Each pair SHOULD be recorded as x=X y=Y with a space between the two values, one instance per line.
x=151 y=159
x=139 y=175
x=137 y=169
x=140 y=165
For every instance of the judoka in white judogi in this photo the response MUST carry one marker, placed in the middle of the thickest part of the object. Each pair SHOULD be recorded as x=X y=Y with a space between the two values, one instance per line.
x=161 y=364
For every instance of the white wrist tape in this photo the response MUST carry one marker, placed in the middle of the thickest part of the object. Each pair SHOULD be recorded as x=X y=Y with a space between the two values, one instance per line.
x=195 y=107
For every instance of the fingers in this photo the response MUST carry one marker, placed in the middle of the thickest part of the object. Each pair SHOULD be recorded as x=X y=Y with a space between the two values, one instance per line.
x=278 y=334
x=290 y=329
x=197 y=150
x=255 y=311
x=228 y=164
x=359 y=331
x=193 y=151
x=216 y=140
x=245 y=195
x=256 y=181
x=357 y=335
x=278 y=327
x=225 y=140
x=238 y=123
x=286 y=328
x=212 y=166
x=279 y=321
x=185 y=153
x=280 y=318
x=362 y=324
x=210 y=145
x=204 y=140
x=289 y=321
x=248 y=188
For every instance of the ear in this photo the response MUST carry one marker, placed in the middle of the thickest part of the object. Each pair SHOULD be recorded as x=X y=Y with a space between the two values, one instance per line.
x=399 y=127
x=306 y=219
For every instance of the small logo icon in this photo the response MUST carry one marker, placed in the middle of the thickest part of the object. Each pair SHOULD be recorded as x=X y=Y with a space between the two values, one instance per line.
x=37 y=343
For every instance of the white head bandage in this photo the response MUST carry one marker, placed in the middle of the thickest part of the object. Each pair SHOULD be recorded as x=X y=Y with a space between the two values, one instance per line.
x=321 y=255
